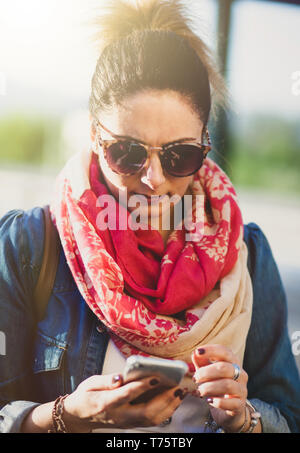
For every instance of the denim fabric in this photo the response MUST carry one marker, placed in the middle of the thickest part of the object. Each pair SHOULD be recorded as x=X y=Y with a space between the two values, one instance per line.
x=50 y=358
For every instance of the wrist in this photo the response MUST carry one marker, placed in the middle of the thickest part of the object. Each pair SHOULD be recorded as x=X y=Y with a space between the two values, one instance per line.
x=39 y=420
x=252 y=422
x=72 y=422
x=247 y=422
x=239 y=424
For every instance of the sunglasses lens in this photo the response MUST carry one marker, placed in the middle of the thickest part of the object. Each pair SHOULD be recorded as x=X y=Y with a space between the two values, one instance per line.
x=126 y=157
x=183 y=160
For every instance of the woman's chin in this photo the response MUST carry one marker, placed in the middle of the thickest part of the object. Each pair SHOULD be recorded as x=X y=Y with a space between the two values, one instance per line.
x=151 y=216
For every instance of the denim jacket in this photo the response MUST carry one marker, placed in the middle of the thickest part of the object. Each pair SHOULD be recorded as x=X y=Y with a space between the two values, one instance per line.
x=41 y=361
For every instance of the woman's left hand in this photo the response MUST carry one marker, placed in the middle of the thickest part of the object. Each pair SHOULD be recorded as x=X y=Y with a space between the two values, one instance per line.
x=214 y=378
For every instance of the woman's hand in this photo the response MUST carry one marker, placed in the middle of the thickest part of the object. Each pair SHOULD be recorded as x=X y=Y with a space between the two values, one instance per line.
x=103 y=401
x=214 y=377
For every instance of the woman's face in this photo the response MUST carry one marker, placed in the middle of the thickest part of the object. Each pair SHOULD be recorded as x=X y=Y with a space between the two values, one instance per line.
x=155 y=118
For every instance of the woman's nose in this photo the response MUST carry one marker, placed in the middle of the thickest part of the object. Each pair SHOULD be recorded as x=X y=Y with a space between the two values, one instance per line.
x=154 y=176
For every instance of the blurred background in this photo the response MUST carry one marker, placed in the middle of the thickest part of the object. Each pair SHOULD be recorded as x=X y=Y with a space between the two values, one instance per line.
x=47 y=59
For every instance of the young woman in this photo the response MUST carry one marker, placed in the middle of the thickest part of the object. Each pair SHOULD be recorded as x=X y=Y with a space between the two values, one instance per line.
x=206 y=292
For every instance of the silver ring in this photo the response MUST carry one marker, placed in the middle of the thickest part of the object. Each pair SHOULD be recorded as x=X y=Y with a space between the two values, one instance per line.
x=237 y=372
x=166 y=422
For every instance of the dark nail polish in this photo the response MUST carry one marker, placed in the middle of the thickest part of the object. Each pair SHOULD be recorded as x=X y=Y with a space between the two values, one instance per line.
x=179 y=393
x=154 y=382
x=197 y=393
x=117 y=378
x=201 y=351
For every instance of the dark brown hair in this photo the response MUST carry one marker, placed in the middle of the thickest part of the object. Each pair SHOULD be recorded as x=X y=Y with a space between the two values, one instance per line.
x=151 y=45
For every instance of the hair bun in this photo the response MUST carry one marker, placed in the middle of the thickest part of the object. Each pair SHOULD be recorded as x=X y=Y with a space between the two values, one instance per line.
x=119 y=18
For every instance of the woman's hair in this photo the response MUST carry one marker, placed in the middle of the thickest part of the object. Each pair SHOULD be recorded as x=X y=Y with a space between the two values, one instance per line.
x=150 y=44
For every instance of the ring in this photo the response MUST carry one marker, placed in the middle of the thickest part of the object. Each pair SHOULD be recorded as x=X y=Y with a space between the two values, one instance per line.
x=166 y=422
x=237 y=372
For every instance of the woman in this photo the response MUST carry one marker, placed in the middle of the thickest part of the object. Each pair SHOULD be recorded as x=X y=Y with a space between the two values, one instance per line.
x=205 y=291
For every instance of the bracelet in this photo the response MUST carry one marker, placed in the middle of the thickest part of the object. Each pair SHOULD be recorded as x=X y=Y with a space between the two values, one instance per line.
x=57 y=414
x=245 y=422
x=254 y=416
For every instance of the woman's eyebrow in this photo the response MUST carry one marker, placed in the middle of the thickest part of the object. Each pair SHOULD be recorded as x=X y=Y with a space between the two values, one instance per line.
x=134 y=139
x=180 y=140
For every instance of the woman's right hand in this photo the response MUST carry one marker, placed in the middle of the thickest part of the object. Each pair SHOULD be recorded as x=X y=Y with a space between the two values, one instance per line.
x=103 y=401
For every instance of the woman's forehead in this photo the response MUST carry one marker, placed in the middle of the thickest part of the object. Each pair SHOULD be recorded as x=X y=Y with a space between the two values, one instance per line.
x=154 y=117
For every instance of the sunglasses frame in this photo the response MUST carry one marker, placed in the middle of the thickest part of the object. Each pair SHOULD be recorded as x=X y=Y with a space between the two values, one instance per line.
x=119 y=138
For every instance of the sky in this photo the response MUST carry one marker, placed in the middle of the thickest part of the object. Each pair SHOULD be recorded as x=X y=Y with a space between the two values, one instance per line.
x=47 y=57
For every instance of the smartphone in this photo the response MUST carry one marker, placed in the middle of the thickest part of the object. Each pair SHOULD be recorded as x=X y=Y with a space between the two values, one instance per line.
x=169 y=372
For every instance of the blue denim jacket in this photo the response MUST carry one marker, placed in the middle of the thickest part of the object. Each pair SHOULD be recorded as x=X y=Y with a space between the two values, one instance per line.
x=51 y=358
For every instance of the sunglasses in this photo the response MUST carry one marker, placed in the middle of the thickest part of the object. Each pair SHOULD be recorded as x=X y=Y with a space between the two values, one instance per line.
x=126 y=156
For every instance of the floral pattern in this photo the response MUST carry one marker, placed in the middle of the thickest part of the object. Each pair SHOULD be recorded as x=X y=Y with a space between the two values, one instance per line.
x=109 y=269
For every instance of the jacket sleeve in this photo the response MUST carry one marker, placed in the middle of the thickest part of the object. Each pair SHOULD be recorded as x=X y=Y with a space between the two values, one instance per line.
x=21 y=249
x=274 y=385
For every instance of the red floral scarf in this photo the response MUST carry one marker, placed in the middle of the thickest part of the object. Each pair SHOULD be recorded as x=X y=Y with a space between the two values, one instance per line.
x=134 y=284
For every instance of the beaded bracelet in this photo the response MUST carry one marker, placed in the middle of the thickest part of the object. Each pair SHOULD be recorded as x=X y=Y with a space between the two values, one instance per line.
x=254 y=416
x=57 y=414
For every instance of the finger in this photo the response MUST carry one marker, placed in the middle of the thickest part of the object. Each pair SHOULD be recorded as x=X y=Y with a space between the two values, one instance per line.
x=162 y=406
x=222 y=387
x=199 y=359
x=175 y=394
x=132 y=390
x=102 y=382
x=218 y=370
x=230 y=405
x=213 y=353
x=168 y=411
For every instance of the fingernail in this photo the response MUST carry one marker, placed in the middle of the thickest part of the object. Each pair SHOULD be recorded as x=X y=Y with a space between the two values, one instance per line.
x=179 y=393
x=201 y=351
x=116 y=379
x=154 y=382
x=210 y=400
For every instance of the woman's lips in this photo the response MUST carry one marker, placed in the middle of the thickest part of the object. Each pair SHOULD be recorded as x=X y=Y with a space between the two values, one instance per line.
x=154 y=199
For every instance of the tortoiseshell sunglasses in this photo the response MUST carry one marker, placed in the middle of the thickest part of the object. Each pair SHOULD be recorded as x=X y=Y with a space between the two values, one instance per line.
x=126 y=156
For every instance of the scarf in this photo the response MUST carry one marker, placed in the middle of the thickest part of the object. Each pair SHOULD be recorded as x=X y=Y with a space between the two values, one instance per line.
x=162 y=301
